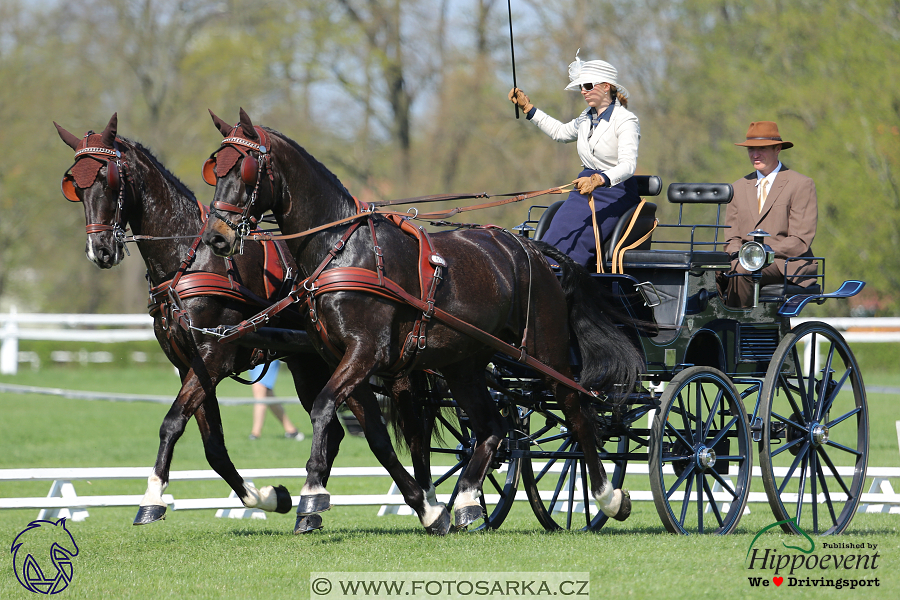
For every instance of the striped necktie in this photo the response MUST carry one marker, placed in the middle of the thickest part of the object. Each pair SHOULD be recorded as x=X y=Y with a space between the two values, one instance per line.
x=763 y=193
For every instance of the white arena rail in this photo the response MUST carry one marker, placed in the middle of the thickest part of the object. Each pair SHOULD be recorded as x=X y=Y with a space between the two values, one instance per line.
x=63 y=501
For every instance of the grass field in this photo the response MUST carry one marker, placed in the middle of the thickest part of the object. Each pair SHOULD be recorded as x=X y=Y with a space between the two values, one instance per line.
x=194 y=555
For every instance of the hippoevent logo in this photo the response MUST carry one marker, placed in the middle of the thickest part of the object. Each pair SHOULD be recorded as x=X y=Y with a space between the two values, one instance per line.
x=837 y=565
x=42 y=556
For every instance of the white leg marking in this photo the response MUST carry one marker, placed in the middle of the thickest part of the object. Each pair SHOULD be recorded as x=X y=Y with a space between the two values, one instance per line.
x=433 y=508
x=609 y=500
x=155 y=489
x=469 y=498
x=312 y=491
x=264 y=499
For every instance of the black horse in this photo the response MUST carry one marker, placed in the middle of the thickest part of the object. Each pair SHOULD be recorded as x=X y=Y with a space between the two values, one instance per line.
x=120 y=183
x=381 y=306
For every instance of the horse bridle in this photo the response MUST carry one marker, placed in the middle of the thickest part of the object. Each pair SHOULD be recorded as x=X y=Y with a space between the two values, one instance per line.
x=116 y=169
x=251 y=171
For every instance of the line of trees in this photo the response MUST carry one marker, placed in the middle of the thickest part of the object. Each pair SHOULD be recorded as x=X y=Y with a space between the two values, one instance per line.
x=407 y=97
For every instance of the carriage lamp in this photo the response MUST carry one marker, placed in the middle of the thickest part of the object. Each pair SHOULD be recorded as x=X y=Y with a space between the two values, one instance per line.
x=755 y=255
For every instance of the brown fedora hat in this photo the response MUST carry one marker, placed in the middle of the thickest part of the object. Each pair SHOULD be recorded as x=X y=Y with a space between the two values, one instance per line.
x=764 y=133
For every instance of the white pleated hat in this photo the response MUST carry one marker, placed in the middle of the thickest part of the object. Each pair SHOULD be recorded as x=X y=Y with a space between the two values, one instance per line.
x=593 y=71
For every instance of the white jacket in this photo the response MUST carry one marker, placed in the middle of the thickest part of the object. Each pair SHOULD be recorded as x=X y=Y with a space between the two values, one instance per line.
x=613 y=147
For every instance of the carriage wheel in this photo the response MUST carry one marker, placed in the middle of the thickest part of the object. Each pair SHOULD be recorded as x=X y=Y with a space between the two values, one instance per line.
x=554 y=470
x=457 y=443
x=815 y=441
x=699 y=441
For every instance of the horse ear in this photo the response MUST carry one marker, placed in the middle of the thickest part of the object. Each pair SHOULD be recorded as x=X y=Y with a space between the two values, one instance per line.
x=223 y=127
x=109 y=134
x=247 y=126
x=69 y=138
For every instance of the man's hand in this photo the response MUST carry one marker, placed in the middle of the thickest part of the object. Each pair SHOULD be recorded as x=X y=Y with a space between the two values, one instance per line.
x=586 y=185
x=517 y=96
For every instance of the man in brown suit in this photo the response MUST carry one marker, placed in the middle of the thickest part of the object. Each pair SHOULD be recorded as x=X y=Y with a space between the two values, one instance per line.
x=777 y=200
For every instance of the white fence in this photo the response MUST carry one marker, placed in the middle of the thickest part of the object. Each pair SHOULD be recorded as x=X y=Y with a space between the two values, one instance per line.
x=15 y=326
x=63 y=500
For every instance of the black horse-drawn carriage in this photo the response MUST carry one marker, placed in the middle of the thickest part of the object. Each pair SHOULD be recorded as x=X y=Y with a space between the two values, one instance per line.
x=714 y=380
x=718 y=380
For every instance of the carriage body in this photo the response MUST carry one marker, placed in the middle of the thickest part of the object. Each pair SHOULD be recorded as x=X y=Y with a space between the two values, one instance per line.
x=718 y=381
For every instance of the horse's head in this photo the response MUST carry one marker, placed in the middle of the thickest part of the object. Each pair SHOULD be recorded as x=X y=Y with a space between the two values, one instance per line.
x=241 y=170
x=97 y=180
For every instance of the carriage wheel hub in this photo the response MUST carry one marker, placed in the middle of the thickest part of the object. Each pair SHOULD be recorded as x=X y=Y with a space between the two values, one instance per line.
x=706 y=457
x=818 y=434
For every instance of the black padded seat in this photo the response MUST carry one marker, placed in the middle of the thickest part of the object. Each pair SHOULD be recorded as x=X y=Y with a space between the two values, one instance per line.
x=777 y=292
x=675 y=259
x=544 y=222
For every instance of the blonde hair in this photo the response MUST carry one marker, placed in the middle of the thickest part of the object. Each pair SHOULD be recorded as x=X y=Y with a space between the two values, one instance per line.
x=614 y=93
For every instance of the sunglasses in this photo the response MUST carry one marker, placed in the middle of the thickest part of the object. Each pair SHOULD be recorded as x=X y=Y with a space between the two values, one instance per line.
x=589 y=86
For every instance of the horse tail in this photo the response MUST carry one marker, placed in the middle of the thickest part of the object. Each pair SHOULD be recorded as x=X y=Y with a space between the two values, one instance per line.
x=608 y=357
x=424 y=384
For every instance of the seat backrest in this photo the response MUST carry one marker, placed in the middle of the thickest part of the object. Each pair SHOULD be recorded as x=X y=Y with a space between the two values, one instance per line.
x=648 y=185
x=700 y=193
x=644 y=224
x=545 y=219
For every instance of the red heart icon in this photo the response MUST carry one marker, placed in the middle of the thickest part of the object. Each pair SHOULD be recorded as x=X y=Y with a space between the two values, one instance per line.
x=778 y=580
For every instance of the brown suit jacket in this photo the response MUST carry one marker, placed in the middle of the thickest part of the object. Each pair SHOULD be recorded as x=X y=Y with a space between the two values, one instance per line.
x=789 y=216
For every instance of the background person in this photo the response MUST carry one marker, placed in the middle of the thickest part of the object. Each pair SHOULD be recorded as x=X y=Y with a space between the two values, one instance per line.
x=607 y=137
x=777 y=200
x=263 y=389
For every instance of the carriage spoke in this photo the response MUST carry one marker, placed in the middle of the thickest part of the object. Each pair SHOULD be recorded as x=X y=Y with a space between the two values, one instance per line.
x=787 y=421
x=808 y=398
x=687 y=497
x=685 y=475
x=459 y=465
x=726 y=485
x=454 y=431
x=813 y=468
x=802 y=489
x=826 y=377
x=725 y=430
x=700 y=501
x=552 y=461
x=834 y=471
x=712 y=416
x=562 y=478
x=788 y=445
x=584 y=489
x=571 y=491
x=856 y=453
x=496 y=484
x=681 y=438
x=843 y=418
x=788 y=393
x=712 y=502
x=793 y=468
x=828 y=501
x=829 y=402
x=685 y=417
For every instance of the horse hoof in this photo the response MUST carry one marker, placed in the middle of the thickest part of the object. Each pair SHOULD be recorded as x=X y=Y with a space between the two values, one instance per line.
x=624 y=508
x=468 y=514
x=310 y=505
x=307 y=523
x=150 y=514
x=441 y=525
x=283 y=498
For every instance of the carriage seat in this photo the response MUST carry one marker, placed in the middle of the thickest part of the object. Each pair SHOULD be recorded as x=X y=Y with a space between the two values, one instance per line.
x=647 y=185
x=779 y=292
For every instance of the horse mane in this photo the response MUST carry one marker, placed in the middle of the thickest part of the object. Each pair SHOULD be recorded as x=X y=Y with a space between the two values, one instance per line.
x=314 y=162
x=167 y=175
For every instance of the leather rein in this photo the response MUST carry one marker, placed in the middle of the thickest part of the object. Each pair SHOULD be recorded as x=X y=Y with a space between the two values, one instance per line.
x=374 y=282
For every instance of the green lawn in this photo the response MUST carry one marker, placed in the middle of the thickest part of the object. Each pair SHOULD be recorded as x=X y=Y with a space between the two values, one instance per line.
x=194 y=555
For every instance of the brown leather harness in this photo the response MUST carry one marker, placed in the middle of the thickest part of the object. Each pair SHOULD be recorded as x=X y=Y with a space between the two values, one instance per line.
x=430 y=265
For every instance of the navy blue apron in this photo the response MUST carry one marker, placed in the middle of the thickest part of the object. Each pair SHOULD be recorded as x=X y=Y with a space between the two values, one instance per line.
x=572 y=229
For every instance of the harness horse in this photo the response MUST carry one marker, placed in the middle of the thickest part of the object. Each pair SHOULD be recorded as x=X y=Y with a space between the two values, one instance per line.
x=384 y=298
x=121 y=184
